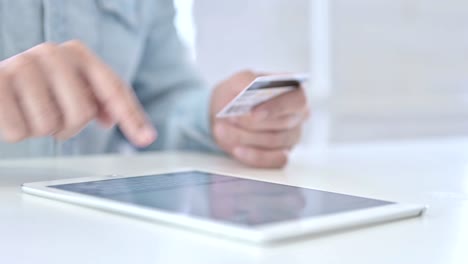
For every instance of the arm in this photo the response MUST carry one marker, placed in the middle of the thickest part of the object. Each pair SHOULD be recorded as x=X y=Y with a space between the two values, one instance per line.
x=170 y=90
x=182 y=110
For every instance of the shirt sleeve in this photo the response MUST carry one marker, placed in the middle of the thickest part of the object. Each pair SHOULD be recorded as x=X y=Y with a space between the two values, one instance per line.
x=171 y=91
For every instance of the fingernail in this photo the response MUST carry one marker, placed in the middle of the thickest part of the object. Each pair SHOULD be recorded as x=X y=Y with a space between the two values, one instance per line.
x=148 y=134
x=261 y=115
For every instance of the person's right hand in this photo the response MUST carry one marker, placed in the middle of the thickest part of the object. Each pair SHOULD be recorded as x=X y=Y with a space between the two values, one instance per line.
x=57 y=89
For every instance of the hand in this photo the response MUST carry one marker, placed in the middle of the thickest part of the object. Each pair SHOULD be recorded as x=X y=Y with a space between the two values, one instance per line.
x=264 y=137
x=56 y=90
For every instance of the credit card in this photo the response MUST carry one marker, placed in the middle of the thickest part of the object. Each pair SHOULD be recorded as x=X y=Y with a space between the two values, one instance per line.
x=261 y=90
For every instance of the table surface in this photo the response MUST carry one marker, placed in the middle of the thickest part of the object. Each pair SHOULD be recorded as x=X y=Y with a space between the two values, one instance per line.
x=433 y=172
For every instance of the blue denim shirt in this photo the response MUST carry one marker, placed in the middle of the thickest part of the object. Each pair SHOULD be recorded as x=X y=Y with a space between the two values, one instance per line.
x=137 y=38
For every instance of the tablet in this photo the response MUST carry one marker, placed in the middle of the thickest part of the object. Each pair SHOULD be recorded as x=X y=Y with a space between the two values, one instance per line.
x=224 y=205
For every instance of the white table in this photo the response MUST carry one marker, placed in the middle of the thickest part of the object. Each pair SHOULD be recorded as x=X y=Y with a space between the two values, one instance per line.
x=37 y=230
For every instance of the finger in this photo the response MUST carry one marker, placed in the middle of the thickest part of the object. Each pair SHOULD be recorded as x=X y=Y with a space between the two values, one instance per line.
x=280 y=123
x=40 y=110
x=288 y=103
x=13 y=127
x=232 y=136
x=241 y=79
x=261 y=158
x=105 y=119
x=76 y=102
x=114 y=96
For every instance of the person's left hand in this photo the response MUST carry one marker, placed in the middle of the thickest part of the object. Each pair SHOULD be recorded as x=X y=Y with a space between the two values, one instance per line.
x=264 y=137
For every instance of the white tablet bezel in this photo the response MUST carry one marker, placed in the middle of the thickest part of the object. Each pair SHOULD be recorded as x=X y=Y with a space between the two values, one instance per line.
x=266 y=233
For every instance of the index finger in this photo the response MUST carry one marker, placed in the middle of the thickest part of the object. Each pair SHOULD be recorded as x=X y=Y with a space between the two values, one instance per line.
x=114 y=96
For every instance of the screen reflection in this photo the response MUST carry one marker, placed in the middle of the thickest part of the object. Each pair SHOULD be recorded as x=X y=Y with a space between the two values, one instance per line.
x=221 y=198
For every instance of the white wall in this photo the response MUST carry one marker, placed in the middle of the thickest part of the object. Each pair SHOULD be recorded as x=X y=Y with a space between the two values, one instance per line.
x=267 y=35
x=399 y=68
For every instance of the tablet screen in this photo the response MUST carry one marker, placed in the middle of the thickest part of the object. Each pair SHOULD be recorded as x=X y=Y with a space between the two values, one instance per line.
x=222 y=198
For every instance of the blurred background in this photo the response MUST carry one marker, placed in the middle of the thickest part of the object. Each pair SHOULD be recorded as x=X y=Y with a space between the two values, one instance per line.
x=381 y=69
